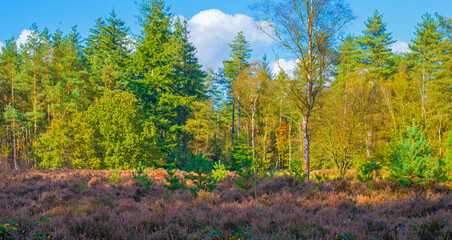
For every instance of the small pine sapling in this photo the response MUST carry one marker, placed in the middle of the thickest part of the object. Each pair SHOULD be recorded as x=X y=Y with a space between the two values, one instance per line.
x=142 y=178
x=367 y=171
x=219 y=171
x=173 y=181
x=412 y=159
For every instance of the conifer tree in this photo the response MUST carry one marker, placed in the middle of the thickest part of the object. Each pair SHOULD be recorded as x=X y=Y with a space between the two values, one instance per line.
x=425 y=54
x=237 y=63
x=108 y=49
x=376 y=46
x=412 y=158
x=10 y=64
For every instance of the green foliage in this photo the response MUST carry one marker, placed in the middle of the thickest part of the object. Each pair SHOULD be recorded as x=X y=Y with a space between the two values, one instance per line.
x=200 y=172
x=241 y=156
x=376 y=46
x=220 y=171
x=202 y=181
x=412 y=159
x=173 y=181
x=448 y=165
x=115 y=177
x=197 y=163
x=110 y=134
x=367 y=171
x=142 y=178
x=296 y=171
x=245 y=175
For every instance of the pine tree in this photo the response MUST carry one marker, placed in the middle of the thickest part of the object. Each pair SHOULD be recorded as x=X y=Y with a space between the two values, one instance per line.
x=189 y=76
x=412 y=158
x=376 y=47
x=108 y=49
x=237 y=63
x=425 y=56
x=34 y=54
x=165 y=77
x=10 y=66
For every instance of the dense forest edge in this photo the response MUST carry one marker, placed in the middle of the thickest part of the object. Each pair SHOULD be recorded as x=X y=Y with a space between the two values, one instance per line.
x=123 y=136
x=111 y=100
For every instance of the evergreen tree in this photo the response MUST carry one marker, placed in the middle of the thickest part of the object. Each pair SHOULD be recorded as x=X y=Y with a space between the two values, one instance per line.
x=108 y=49
x=425 y=56
x=412 y=159
x=376 y=47
x=10 y=67
x=237 y=63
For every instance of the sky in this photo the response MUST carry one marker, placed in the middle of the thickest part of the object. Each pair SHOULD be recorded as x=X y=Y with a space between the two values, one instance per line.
x=212 y=23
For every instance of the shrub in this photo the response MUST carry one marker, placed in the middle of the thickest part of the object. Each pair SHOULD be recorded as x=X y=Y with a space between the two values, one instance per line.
x=198 y=162
x=115 y=177
x=245 y=176
x=203 y=178
x=367 y=171
x=142 y=178
x=412 y=160
x=448 y=166
x=431 y=230
x=296 y=171
x=220 y=171
x=173 y=181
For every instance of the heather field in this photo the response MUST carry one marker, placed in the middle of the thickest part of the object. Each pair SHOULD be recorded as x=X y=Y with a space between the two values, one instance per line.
x=84 y=204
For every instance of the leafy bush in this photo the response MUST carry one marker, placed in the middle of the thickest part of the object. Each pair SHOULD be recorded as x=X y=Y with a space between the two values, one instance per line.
x=203 y=178
x=142 y=178
x=412 y=159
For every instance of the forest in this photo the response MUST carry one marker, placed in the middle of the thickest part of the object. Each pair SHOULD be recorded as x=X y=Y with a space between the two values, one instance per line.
x=110 y=101
x=354 y=123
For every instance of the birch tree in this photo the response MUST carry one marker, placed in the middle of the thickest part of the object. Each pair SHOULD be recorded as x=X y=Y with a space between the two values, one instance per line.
x=307 y=30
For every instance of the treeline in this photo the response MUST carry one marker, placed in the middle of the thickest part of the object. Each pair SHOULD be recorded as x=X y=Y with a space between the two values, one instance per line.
x=110 y=101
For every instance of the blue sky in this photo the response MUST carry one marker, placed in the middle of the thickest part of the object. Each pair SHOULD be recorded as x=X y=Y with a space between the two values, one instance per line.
x=211 y=29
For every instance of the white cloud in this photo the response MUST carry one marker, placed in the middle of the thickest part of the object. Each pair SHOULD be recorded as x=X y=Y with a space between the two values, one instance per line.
x=23 y=37
x=212 y=31
x=400 y=47
x=287 y=65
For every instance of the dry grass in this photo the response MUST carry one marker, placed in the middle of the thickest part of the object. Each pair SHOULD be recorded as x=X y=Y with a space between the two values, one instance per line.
x=90 y=206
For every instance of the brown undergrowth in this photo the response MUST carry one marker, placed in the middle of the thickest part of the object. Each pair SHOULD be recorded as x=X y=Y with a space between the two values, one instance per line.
x=93 y=205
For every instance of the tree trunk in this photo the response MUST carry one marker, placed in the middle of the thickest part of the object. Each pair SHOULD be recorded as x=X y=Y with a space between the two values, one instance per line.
x=13 y=125
x=233 y=123
x=290 y=141
x=238 y=116
x=306 y=145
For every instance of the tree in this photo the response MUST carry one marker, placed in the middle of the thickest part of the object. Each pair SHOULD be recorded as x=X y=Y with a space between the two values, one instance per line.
x=10 y=64
x=237 y=63
x=165 y=74
x=378 y=62
x=108 y=50
x=425 y=54
x=376 y=47
x=412 y=159
x=307 y=29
